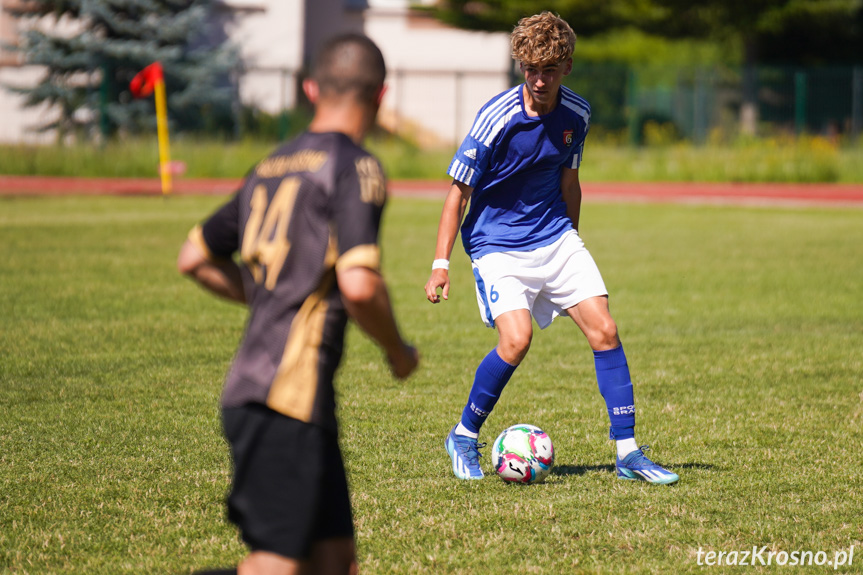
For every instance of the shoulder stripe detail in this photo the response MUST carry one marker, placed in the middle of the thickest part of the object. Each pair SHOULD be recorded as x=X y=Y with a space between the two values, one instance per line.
x=584 y=113
x=490 y=117
x=575 y=103
x=494 y=106
x=494 y=130
x=572 y=96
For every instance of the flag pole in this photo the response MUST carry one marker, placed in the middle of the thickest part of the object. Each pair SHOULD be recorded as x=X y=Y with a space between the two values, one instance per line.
x=162 y=132
x=145 y=82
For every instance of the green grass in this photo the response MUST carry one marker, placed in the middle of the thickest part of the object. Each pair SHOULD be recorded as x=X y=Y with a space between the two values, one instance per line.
x=805 y=159
x=786 y=160
x=743 y=328
x=134 y=158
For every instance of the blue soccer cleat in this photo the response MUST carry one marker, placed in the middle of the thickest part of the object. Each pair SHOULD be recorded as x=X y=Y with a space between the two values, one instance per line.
x=637 y=466
x=465 y=455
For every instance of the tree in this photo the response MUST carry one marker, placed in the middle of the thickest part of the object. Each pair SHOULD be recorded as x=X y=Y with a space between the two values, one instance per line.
x=784 y=31
x=781 y=31
x=91 y=49
x=587 y=16
x=790 y=31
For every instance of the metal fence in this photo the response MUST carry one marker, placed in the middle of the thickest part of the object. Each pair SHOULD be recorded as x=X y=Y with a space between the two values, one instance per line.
x=694 y=104
x=437 y=107
x=698 y=103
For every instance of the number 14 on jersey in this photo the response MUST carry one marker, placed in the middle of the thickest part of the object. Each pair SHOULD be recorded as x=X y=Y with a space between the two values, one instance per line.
x=265 y=241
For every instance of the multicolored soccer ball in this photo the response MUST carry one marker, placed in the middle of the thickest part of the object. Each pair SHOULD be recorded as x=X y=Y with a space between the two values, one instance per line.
x=522 y=454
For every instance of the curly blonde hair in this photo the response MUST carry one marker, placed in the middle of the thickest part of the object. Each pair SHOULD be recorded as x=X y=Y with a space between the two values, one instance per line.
x=542 y=38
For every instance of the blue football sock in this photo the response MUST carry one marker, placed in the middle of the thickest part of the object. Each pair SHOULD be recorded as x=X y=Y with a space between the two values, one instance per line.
x=491 y=377
x=615 y=385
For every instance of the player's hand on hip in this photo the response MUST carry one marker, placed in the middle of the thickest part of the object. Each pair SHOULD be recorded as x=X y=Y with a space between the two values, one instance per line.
x=439 y=279
x=405 y=361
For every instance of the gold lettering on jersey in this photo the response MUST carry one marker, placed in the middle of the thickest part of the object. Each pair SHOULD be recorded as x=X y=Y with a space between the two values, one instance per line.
x=304 y=161
x=265 y=240
x=373 y=188
x=248 y=250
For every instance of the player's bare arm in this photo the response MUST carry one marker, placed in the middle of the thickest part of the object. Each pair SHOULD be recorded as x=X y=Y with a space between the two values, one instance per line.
x=453 y=212
x=571 y=190
x=222 y=278
x=368 y=303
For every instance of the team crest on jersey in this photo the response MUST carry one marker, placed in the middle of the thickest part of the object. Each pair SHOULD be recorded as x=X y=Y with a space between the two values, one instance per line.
x=567 y=137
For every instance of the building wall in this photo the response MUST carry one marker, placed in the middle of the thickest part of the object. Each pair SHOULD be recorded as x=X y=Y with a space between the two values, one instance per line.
x=269 y=34
x=17 y=123
x=328 y=18
x=8 y=34
x=438 y=76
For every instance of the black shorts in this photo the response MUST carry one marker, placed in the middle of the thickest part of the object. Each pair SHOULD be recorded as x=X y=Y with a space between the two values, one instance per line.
x=289 y=487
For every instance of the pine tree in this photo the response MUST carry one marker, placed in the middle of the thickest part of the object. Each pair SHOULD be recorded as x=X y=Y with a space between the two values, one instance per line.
x=88 y=69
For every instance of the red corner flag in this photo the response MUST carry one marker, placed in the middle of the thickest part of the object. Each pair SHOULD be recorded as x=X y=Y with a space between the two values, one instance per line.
x=149 y=80
x=144 y=81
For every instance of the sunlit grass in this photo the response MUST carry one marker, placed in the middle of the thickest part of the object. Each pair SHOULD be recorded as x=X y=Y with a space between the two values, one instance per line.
x=743 y=328
x=784 y=159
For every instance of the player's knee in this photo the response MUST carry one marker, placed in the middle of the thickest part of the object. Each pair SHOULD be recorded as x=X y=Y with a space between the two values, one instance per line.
x=514 y=347
x=604 y=336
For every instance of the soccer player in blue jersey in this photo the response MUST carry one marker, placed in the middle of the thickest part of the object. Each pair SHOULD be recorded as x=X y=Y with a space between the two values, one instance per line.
x=518 y=167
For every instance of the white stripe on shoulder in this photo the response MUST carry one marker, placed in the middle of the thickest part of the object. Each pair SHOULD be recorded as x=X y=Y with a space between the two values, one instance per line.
x=585 y=114
x=495 y=129
x=568 y=94
x=492 y=114
x=575 y=103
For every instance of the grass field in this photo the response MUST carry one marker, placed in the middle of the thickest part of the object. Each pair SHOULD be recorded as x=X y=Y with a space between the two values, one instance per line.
x=743 y=328
x=779 y=159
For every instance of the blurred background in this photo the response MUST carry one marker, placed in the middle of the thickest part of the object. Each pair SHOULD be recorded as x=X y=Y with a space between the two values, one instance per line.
x=656 y=72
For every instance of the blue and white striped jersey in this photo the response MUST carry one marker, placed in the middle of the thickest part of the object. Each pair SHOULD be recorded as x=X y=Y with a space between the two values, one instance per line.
x=514 y=163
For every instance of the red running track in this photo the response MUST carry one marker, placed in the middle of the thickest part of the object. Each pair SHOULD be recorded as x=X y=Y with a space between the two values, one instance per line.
x=838 y=195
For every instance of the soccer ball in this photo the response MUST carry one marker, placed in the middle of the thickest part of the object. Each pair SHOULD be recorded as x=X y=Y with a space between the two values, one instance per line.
x=522 y=454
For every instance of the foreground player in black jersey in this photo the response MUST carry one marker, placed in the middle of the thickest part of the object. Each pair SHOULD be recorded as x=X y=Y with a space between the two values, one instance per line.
x=305 y=225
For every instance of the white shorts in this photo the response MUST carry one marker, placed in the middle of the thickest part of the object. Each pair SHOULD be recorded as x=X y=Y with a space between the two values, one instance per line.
x=545 y=281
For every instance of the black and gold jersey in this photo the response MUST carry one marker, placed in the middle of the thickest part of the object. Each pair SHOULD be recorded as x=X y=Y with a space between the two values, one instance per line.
x=310 y=208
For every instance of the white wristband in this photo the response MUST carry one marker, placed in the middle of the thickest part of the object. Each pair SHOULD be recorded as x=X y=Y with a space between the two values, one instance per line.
x=440 y=265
